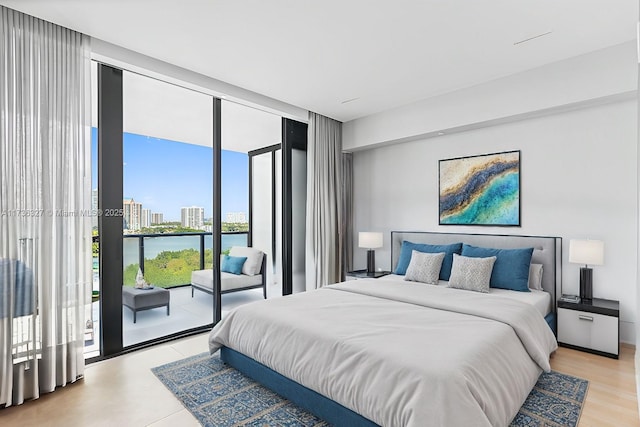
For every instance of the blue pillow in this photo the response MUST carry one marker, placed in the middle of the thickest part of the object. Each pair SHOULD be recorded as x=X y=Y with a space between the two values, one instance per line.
x=511 y=269
x=449 y=250
x=232 y=264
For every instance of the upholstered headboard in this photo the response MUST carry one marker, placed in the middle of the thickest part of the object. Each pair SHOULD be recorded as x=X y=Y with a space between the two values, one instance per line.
x=547 y=250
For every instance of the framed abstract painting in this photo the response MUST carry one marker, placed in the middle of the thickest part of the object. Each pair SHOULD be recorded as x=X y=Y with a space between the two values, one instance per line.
x=480 y=190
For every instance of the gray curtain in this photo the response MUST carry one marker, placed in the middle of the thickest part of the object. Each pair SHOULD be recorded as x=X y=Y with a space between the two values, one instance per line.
x=45 y=202
x=324 y=202
x=347 y=213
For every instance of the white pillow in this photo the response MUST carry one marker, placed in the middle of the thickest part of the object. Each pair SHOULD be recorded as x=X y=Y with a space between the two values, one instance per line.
x=424 y=267
x=472 y=274
x=253 y=263
x=535 y=276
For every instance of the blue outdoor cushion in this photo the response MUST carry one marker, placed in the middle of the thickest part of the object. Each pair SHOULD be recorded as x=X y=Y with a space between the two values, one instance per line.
x=17 y=279
x=449 y=250
x=511 y=269
x=232 y=264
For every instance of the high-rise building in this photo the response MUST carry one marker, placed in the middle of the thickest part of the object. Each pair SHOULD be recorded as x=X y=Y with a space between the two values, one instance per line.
x=237 y=217
x=132 y=214
x=146 y=218
x=193 y=217
x=157 y=218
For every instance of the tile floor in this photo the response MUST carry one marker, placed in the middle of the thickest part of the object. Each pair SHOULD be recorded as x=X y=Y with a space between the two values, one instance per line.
x=116 y=392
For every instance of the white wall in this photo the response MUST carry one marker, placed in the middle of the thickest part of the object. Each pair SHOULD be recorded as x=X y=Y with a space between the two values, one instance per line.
x=579 y=172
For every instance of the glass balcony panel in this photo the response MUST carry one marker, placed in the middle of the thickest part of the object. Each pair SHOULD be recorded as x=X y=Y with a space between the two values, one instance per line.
x=130 y=259
x=169 y=260
x=232 y=239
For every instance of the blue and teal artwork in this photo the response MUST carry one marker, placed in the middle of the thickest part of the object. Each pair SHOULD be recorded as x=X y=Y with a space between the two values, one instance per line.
x=480 y=190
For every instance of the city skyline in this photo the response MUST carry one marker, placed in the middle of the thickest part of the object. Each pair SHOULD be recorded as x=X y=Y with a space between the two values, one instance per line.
x=167 y=175
x=148 y=218
x=157 y=218
x=136 y=217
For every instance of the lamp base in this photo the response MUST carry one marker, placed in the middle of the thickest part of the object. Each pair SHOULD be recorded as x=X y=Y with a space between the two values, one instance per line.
x=586 y=283
x=371 y=261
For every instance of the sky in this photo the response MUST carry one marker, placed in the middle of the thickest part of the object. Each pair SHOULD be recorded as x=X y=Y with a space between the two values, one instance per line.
x=166 y=175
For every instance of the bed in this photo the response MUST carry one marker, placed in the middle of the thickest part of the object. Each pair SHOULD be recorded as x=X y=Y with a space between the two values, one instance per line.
x=398 y=353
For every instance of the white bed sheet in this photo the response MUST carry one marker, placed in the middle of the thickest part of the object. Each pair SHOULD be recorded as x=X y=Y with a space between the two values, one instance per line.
x=541 y=300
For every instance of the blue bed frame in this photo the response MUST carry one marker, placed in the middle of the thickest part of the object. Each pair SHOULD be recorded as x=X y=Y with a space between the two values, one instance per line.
x=547 y=251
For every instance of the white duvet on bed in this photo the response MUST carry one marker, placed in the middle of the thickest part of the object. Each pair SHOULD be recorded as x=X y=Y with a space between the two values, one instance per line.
x=399 y=354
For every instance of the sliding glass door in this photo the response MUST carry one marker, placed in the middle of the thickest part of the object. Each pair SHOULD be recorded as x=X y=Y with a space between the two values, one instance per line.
x=278 y=176
x=154 y=184
x=167 y=207
x=265 y=213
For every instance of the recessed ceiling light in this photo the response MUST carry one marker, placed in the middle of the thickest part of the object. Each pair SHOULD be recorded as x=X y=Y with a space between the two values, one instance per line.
x=532 y=37
x=349 y=100
x=440 y=133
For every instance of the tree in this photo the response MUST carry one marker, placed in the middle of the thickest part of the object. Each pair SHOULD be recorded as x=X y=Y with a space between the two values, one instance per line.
x=234 y=226
x=169 y=268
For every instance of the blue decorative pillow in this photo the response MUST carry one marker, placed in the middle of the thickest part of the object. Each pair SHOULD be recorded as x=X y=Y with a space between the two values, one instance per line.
x=449 y=250
x=511 y=269
x=232 y=264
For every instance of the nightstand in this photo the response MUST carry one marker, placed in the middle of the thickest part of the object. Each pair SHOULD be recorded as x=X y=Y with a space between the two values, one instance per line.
x=592 y=326
x=362 y=274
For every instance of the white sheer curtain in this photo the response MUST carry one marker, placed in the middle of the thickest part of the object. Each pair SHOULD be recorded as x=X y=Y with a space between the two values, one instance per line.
x=45 y=190
x=324 y=202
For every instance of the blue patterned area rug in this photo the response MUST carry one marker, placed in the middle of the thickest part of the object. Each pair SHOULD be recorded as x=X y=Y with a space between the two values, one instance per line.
x=556 y=400
x=218 y=395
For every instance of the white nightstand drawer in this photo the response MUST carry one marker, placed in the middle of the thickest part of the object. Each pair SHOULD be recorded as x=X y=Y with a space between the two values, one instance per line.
x=588 y=330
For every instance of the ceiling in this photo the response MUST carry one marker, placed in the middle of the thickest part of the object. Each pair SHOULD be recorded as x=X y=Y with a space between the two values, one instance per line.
x=349 y=58
x=162 y=110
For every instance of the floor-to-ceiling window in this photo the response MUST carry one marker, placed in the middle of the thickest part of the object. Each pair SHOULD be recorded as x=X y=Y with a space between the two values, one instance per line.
x=166 y=206
x=164 y=212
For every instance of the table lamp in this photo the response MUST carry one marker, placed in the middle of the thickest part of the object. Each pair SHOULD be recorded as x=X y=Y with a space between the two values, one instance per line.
x=586 y=252
x=370 y=241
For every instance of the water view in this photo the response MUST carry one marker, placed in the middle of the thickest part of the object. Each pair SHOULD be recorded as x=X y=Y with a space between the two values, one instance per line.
x=153 y=246
x=167 y=185
x=169 y=260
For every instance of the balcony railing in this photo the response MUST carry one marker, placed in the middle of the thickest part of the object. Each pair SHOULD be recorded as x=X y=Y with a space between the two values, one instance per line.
x=167 y=259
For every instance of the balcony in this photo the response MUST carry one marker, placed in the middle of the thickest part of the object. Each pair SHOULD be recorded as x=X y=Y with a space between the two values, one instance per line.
x=167 y=261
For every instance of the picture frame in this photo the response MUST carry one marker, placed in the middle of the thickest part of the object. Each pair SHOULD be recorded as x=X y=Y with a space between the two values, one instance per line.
x=480 y=190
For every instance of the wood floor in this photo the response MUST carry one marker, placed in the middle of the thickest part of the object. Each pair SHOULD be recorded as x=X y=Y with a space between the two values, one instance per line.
x=122 y=391
x=612 y=396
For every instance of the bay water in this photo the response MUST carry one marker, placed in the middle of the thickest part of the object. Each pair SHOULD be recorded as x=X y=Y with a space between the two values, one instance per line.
x=154 y=245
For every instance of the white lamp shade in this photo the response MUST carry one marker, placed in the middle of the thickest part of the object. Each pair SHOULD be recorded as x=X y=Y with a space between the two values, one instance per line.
x=586 y=252
x=369 y=240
